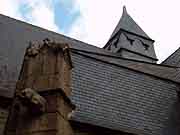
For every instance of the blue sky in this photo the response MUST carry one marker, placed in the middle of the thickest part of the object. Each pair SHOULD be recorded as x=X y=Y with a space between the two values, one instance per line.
x=62 y=12
x=93 y=21
x=64 y=17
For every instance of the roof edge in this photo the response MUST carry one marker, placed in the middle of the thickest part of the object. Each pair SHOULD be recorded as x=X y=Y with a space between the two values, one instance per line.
x=26 y=23
x=139 y=54
x=170 y=56
x=118 y=65
x=119 y=57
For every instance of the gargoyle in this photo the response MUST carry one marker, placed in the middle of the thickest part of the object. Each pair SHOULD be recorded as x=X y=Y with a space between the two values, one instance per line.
x=35 y=103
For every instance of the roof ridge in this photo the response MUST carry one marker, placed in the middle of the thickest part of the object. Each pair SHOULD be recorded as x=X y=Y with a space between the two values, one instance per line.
x=112 y=63
x=51 y=31
x=115 y=56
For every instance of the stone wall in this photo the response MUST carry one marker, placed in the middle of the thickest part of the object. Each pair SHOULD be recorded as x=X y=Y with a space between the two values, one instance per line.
x=41 y=104
x=3 y=118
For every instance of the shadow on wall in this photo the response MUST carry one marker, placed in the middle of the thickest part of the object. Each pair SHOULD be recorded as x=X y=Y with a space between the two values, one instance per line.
x=173 y=123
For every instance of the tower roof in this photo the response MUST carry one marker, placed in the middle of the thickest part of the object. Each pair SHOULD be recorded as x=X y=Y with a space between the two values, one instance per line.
x=128 y=24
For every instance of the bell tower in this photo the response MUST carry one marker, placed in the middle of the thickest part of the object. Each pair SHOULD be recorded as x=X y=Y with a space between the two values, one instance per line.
x=128 y=40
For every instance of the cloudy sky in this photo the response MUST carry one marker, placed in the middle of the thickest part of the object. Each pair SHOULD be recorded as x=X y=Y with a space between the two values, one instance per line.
x=93 y=21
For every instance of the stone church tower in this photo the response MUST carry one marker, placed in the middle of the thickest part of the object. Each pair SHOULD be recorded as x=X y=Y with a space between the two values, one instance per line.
x=129 y=41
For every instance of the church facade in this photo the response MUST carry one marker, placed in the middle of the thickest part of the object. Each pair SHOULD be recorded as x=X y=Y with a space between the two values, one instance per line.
x=117 y=90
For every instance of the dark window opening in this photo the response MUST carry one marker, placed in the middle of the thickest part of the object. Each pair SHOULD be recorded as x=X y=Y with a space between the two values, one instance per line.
x=109 y=47
x=146 y=47
x=115 y=42
x=130 y=40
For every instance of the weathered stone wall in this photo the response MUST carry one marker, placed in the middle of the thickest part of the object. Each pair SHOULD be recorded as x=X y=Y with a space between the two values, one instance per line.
x=41 y=105
x=46 y=70
x=3 y=118
x=53 y=122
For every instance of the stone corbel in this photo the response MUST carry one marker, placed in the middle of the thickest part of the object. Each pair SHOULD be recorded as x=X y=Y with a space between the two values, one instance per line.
x=30 y=99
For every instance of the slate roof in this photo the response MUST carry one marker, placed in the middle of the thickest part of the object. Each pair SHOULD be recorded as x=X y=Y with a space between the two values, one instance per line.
x=119 y=98
x=14 y=38
x=128 y=24
x=173 y=59
x=170 y=73
x=13 y=46
x=108 y=91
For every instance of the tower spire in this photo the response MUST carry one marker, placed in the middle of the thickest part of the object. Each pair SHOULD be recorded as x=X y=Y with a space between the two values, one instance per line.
x=124 y=10
x=129 y=41
x=128 y=24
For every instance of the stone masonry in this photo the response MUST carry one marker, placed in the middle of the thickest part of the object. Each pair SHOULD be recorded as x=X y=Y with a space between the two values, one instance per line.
x=41 y=104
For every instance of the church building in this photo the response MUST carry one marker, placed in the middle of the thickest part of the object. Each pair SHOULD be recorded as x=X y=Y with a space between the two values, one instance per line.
x=117 y=90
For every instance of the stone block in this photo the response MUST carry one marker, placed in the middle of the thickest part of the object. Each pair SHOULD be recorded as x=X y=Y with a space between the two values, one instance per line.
x=43 y=123
x=64 y=127
x=51 y=103
x=63 y=108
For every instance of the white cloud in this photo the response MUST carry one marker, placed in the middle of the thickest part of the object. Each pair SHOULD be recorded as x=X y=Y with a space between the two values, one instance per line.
x=10 y=8
x=159 y=19
x=97 y=20
x=40 y=12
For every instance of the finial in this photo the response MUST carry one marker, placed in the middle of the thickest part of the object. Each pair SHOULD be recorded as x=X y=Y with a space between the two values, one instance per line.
x=124 y=10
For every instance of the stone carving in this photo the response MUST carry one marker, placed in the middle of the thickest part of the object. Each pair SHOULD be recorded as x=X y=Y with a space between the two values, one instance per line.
x=70 y=114
x=32 y=50
x=35 y=103
x=35 y=48
x=46 y=69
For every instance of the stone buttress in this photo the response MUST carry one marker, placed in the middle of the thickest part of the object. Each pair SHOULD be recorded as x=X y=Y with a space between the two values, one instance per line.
x=41 y=104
